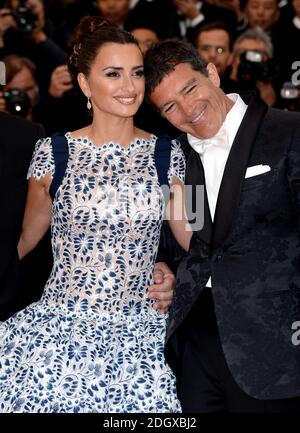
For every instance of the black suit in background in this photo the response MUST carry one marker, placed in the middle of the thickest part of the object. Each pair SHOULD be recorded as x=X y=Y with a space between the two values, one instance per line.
x=19 y=284
x=170 y=19
x=240 y=332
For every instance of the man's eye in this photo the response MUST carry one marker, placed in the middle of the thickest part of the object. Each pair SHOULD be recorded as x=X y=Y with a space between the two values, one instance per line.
x=190 y=89
x=168 y=109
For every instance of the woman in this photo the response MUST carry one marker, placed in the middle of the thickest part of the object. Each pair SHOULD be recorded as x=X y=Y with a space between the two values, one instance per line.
x=93 y=342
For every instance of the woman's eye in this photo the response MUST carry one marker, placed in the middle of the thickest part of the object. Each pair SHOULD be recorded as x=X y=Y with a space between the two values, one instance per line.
x=139 y=73
x=112 y=74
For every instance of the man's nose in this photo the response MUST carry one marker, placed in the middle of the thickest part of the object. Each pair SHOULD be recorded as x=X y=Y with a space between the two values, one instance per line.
x=212 y=54
x=186 y=108
x=260 y=11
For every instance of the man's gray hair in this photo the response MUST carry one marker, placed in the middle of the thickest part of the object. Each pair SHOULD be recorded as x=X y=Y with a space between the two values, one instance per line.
x=256 y=34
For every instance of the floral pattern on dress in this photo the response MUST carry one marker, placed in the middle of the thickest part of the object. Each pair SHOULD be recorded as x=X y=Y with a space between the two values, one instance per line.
x=93 y=343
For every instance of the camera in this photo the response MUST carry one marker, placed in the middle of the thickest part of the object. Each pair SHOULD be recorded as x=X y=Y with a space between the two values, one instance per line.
x=17 y=102
x=254 y=68
x=25 y=18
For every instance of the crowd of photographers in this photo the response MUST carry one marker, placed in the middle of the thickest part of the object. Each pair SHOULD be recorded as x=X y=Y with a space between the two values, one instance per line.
x=253 y=43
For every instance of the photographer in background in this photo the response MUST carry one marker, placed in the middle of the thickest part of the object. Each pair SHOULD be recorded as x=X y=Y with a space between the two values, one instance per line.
x=20 y=95
x=53 y=109
x=253 y=66
x=27 y=33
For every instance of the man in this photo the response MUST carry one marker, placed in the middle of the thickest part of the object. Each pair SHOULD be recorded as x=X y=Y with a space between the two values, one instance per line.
x=262 y=13
x=192 y=14
x=21 y=75
x=17 y=140
x=262 y=73
x=214 y=44
x=237 y=300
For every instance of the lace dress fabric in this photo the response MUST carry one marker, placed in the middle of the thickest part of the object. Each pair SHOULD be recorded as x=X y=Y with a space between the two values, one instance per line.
x=93 y=343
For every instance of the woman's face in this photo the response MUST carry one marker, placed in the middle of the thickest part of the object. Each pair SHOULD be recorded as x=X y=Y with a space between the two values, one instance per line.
x=115 y=83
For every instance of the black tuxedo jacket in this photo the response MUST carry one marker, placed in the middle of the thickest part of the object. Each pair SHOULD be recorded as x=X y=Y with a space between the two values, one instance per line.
x=252 y=253
x=211 y=13
x=17 y=140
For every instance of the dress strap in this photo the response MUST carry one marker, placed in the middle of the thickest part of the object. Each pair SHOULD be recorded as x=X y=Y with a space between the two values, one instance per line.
x=162 y=156
x=61 y=155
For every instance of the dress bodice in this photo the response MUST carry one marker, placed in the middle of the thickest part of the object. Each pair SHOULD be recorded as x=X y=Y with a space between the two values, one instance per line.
x=106 y=221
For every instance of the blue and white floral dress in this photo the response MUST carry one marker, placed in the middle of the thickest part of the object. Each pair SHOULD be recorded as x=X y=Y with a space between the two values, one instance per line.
x=93 y=343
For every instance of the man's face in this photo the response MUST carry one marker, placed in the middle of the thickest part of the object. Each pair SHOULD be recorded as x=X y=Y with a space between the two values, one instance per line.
x=192 y=102
x=263 y=13
x=25 y=81
x=145 y=37
x=213 y=46
x=114 y=10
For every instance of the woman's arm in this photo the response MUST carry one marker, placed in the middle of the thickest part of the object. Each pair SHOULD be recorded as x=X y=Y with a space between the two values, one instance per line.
x=37 y=216
x=176 y=214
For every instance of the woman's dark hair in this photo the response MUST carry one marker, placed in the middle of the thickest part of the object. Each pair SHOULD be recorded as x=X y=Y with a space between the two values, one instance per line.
x=163 y=57
x=89 y=36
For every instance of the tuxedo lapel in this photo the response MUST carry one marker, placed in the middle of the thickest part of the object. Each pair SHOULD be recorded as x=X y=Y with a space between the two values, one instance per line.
x=1 y=169
x=195 y=176
x=235 y=169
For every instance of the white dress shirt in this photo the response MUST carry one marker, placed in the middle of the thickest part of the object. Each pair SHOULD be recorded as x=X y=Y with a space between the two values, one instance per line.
x=214 y=151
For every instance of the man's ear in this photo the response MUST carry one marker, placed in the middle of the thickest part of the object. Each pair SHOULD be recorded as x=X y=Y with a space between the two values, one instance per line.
x=213 y=75
x=83 y=84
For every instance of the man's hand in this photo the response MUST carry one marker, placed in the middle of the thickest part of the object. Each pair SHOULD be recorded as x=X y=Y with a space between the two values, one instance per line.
x=163 y=287
x=61 y=81
x=267 y=92
x=2 y=102
x=188 y=8
x=6 y=21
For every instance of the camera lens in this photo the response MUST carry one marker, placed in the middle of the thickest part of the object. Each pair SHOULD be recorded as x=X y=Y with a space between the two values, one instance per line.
x=17 y=102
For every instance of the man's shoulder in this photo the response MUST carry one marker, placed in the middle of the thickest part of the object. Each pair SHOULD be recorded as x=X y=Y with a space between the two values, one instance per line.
x=16 y=129
x=279 y=118
x=11 y=121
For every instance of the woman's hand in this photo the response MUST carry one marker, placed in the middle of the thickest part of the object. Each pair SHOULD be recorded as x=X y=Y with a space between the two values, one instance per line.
x=163 y=287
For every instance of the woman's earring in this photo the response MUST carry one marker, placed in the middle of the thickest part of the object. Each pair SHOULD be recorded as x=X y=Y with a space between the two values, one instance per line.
x=88 y=104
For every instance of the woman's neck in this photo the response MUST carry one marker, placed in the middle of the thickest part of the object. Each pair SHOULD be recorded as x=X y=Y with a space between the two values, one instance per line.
x=118 y=130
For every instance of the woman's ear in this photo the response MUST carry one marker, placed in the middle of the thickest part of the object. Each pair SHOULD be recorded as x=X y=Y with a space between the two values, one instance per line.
x=83 y=84
x=213 y=75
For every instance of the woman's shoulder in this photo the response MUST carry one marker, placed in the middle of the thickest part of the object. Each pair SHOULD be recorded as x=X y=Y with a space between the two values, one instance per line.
x=144 y=135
